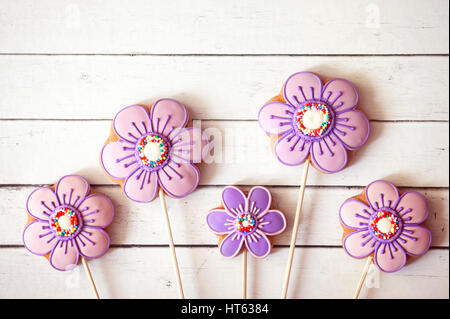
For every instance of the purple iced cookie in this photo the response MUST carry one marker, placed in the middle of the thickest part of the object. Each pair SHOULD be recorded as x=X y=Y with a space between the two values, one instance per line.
x=384 y=224
x=246 y=219
x=315 y=121
x=148 y=150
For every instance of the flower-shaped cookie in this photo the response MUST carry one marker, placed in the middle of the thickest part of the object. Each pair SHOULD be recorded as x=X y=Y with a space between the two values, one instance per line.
x=68 y=222
x=146 y=152
x=315 y=120
x=246 y=219
x=386 y=225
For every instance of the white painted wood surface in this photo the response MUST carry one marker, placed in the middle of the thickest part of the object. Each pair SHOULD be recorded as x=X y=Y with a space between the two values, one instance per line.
x=68 y=66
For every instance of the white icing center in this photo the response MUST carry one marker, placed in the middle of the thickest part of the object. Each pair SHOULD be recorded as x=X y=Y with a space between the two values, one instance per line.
x=245 y=223
x=313 y=119
x=152 y=151
x=64 y=222
x=384 y=225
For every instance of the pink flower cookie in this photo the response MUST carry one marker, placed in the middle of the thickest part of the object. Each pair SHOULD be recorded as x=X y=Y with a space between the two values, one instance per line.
x=382 y=223
x=246 y=219
x=65 y=222
x=147 y=150
x=313 y=120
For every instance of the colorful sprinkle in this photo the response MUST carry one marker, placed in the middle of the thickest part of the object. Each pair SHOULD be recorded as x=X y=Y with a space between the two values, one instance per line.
x=64 y=222
x=158 y=150
x=321 y=128
x=246 y=223
x=384 y=225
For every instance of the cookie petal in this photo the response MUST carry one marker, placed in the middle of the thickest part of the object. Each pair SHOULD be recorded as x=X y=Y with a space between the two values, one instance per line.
x=390 y=257
x=64 y=256
x=189 y=145
x=97 y=210
x=413 y=208
x=272 y=223
x=118 y=159
x=168 y=115
x=352 y=128
x=231 y=245
x=354 y=214
x=234 y=200
x=416 y=240
x=291 y=150
x=301 y=87
x=275 y=118
x=38 y=238
x=141 y=186
x=92 y=242
x=220 y=221
x=259 y=200
x=359 y=244
x=72 y=190
x=41 y=202
x=258 y=244
x=381 y=194
x=340 y=94
x=131 y=123
x=329 y=155
x=178 y=179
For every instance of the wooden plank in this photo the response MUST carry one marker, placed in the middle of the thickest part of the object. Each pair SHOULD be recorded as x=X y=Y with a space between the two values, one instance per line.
x=92 y=87
x=317 y=273
x=143 y=224
x=407 y=153
x=225 y=27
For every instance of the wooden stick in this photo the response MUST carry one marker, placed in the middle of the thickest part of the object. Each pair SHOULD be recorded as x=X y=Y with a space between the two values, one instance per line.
x=363 y=277
x=91 y=280
x=295 y=228
x=171 y=244
x=244 y=274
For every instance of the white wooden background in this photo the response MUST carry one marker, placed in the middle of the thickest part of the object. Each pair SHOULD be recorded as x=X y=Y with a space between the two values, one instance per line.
x=68 y=66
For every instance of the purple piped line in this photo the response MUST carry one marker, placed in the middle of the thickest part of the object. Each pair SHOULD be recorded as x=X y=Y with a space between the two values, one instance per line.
x=366 y=242
x=365 y=235
x=320 y=148
x=75 y=202
x=46 y=207
x=284 y=123
x=383 y=250
x=291 y=148
x=145 y=126
x=389 y=203
x=46 y=234
x=337 y=97
x=165 y=124
x=366 y=212
x=171 y=131
x=400 y=209
x=84 y=209
x=300 y=89
x=148 y=179
x=48 y=241
x=79 y=239
x=296 y=100
x=382 y=199
x=288 y=112
x=157 y=124
x=290 y=135
x=178 y=174
x=339 y=131
x=138 y=176
x=118 y=160
x=339 y=105
x=409 y=210
x=333 y=142
x=302 y=147
x=53 y=204
x=125 y=141
x=342 y=119
x=137 y=129
x=81 y=234
x=131 y=135
x=312 y=91
x=328 y=147
x=408 y=231
x=351 y=128
x=360 y=216
x=390 y=252
x=129 y=164
x=143 y=181
x=328 y=96
x=64 y=199
x=91 y=213
x=279 y=117
x=410 y=237
x=65 y=248
x=70 y=195
x=167 y=174
x=48 y=227
x=124 y=148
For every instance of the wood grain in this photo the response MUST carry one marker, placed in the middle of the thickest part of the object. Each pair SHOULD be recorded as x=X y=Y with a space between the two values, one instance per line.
x=242 y=155
x=225 y=27
x=143 y=224
x=143 y=272
x=234 y=88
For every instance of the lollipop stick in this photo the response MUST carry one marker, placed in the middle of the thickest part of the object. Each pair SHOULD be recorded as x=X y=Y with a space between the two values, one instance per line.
x=91 y=280
x=363 y=277
x=295 y=229
x=171 y=244
x=244 y=274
